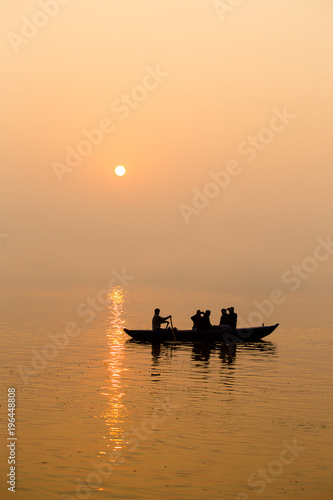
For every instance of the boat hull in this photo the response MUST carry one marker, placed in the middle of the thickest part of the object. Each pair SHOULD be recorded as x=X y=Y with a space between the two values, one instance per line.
x=214 y=335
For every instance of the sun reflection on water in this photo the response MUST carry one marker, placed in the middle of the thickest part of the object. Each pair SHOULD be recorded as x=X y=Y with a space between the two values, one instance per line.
x=115 y=413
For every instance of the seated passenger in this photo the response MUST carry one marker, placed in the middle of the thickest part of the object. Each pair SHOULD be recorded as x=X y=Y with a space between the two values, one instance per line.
x=196 y=320
x=158 y=320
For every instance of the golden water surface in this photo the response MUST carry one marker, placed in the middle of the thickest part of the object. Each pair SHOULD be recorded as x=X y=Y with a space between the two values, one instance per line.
x=99 y=416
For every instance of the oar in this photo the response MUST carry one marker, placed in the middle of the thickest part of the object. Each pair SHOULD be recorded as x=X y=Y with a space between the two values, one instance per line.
x=173 y=331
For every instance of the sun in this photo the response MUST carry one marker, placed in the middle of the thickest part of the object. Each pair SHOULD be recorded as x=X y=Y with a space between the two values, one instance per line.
x=120 y=170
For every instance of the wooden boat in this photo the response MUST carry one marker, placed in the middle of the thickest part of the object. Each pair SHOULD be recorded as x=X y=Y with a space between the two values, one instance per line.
x=227 y=335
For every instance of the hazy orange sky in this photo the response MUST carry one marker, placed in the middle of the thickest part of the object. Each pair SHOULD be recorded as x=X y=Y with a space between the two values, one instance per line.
x=180 y=89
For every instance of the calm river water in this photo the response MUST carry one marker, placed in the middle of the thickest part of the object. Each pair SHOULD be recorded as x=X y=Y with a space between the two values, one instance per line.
x=99 y=416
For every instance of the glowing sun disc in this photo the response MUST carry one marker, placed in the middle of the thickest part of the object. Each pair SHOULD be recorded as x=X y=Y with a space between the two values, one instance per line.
x=120 y=170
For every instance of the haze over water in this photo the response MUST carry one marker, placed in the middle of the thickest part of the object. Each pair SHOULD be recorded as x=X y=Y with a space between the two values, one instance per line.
x=192 y=90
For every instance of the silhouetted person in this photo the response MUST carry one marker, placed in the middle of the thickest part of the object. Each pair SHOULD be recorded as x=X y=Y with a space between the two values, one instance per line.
x=158 y=320
x=205 y=323
x=225 y=318
x=232 y=317
x=197 y=319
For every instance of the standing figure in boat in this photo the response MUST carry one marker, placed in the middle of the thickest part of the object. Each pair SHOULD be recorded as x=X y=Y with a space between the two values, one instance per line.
x=158 y=320
x=232 y=318
x=197 y=320
x=225 y=318
x=205 y=323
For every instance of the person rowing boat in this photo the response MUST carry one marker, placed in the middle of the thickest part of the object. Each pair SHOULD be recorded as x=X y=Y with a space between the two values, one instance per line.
x=157 y=320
